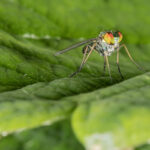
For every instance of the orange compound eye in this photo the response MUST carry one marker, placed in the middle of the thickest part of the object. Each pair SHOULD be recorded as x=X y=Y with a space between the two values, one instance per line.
x=120 y=36
x=109 y=38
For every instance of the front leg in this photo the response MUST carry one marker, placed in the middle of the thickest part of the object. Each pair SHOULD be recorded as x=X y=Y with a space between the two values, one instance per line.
x=107 y=63
x=126 y=49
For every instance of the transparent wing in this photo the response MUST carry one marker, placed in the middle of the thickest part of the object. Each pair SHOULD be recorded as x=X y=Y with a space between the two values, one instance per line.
x=74 y=46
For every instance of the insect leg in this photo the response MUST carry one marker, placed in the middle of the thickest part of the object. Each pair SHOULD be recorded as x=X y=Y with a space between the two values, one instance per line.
x=127 y=51
x=84 y=59
x=82 y=63
x=104 y=64
x=118 y=64
x=107 y=63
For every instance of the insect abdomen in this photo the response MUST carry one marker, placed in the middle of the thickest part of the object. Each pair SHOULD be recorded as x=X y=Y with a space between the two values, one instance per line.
x=84 y=48
x=88 y=48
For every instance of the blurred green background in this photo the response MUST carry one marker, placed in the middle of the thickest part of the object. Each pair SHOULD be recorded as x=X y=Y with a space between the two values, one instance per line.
x=41 y=107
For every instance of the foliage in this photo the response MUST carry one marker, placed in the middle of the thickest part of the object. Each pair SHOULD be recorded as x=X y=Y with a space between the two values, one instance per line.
x=35 y=88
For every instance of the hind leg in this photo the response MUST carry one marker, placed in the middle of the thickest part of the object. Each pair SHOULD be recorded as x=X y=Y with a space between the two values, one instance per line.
x=85 y=58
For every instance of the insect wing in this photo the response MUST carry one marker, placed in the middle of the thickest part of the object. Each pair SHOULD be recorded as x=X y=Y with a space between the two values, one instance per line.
x=74 y=46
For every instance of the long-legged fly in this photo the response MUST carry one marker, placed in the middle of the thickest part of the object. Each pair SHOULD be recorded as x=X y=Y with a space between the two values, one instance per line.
x=105 y=44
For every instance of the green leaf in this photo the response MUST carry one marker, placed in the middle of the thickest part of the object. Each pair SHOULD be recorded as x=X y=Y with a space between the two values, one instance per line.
x=144 y=147
x=57 y=137
x=35 y=88
x=115 y=117
x=76 y=19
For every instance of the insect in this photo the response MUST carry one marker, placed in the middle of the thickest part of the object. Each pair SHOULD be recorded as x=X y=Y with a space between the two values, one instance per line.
x=105 y=44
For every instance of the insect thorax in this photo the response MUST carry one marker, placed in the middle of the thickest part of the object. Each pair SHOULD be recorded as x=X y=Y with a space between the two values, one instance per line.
x=102 y=47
